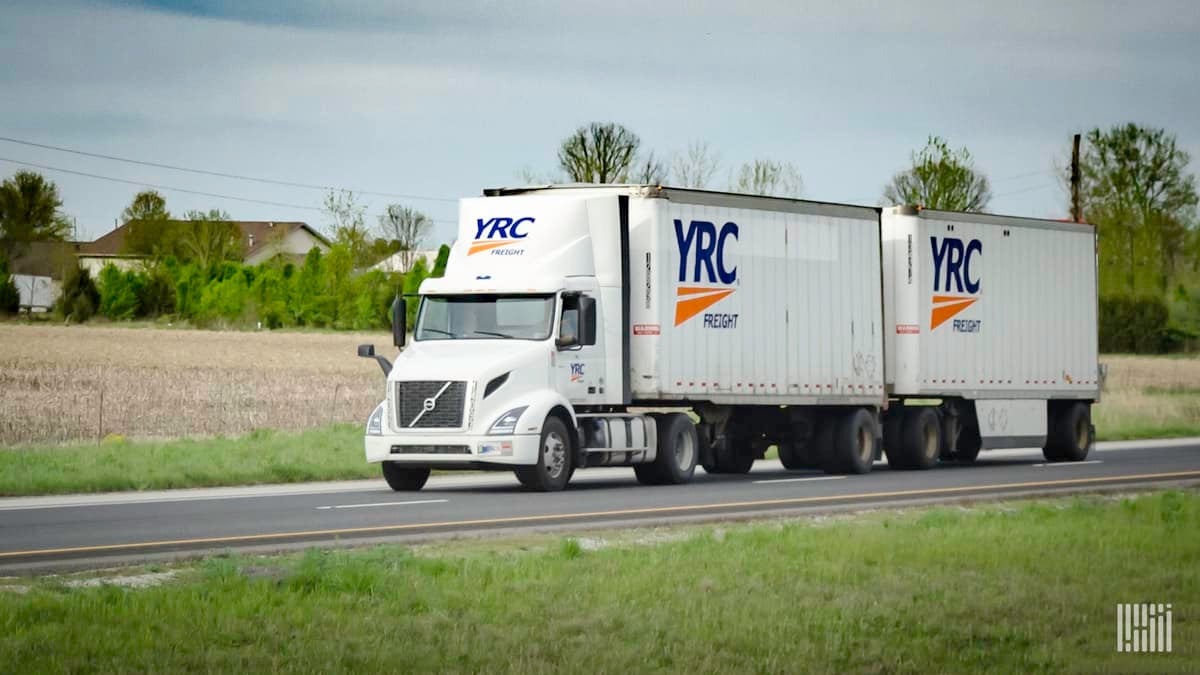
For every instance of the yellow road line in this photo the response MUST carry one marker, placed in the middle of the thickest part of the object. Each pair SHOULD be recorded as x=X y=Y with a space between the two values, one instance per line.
x=592 y=514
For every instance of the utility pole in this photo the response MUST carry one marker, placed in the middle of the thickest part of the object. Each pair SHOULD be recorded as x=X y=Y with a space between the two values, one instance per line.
x=1076 y=211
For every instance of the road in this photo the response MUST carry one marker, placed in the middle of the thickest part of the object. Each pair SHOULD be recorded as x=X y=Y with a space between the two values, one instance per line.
x=67 y=532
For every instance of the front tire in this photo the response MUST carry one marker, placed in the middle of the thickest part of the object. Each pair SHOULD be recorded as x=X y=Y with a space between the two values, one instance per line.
x=554 y=466
x=404 y=478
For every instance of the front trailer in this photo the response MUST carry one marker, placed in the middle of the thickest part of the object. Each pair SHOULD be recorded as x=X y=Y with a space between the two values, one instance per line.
x=661 y=328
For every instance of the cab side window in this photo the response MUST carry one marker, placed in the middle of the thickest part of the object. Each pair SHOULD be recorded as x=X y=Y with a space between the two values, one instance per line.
x=569 y=325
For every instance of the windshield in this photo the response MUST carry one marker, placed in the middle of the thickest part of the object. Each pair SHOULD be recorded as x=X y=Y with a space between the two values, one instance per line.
x=483 y=317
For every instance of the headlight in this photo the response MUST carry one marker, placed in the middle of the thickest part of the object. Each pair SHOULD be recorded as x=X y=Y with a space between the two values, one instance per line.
x=507 y=423
x=375 y=422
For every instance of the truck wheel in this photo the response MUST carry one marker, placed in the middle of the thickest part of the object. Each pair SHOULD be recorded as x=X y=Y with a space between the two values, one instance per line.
x=853 y=448
x=791 y=455
x=893 y=423
x=1071 y=435
x=678 y=448
x=404 y=478
x=554 y=466
x=920 y=440
x=969 y=443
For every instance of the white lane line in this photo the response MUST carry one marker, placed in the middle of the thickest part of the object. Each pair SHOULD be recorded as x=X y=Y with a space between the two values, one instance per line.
x=1053 y=464
x=365 y=506
x=797 y=480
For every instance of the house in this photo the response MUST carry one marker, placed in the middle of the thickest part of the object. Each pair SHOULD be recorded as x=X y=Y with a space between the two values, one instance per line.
x=261 y=241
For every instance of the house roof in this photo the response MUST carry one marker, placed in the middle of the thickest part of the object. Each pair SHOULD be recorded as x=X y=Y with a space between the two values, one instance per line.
x=256 y=234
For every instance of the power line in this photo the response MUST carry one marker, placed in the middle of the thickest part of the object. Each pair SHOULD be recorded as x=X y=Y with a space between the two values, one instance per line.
x=1023 y=190
x=179 y=189
x=219 y=174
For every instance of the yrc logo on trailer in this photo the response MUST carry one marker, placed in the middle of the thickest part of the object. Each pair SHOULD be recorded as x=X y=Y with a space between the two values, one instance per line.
x=707 y=273
x=495 y=234
x=956 y=270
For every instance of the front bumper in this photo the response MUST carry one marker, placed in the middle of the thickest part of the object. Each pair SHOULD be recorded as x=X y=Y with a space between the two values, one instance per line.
x=518 y=450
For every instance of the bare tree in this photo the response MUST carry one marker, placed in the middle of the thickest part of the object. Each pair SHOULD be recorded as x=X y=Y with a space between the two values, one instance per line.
x=348 y=219
x=408 y=227
x=694 y=168
x=940 y=178
x=598 y=153
x=766 y=177
x=209 y=237
x=649 y=170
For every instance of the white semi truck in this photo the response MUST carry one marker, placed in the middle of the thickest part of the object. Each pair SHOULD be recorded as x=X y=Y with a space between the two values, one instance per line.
x=577 y=326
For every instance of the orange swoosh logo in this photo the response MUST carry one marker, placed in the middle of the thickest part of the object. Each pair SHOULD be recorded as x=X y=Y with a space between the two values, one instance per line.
x=487 y=246
x=945 y=307
x=695 y=300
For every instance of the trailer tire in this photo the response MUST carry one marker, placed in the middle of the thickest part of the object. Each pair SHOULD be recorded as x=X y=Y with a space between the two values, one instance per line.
x=893 y=424
x=791 y=456
x=969 y=443
x=1070 y=435
x=555 y=463
x=678 y=449
x=404 y=478
x=854 y=439
x=920 y=440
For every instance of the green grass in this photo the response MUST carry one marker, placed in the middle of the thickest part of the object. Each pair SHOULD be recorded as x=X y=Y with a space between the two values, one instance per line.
x=332 y=453
x=1018 y=587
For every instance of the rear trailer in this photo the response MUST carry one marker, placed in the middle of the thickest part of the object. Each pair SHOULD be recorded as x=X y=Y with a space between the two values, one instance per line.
x=993 y=317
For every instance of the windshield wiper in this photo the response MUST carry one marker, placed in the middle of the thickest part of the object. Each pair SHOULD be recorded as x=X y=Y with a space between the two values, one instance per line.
x=438 y=330
x=488 y=332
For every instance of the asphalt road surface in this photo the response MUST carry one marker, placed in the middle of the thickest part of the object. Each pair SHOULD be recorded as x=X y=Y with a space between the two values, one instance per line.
x=67 y=532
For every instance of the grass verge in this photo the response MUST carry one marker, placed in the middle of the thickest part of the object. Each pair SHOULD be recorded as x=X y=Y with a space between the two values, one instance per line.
x=1011 y=587
x=331 y=453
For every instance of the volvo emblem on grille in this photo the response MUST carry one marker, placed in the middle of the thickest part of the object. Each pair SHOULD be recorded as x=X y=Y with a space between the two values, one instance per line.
x=429 y=404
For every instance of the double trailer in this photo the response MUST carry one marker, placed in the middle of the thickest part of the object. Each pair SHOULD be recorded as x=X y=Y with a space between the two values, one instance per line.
x=577 y=326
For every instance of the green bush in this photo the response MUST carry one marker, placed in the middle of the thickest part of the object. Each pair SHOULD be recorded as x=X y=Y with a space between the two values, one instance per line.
x=324 y=292
x=79 y=298
x=10 y=296
x=119 y=293
x=1135 y=325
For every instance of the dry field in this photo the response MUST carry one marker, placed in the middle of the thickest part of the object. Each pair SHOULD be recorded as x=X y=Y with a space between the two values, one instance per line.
x=1149 y=396
x=60 y=384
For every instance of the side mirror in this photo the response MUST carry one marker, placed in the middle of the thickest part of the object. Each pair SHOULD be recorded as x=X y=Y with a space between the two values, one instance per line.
x=399 y=321
x=587 y=320
x=368 y=352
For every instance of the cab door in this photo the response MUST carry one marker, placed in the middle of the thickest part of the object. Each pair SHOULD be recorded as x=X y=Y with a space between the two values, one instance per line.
x=579 y=360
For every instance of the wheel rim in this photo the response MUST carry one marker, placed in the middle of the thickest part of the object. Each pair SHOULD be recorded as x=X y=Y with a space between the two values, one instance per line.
x=931 y=441
x=1081 y=434
x=554 y=455
x=684 y=450
x=866 y=444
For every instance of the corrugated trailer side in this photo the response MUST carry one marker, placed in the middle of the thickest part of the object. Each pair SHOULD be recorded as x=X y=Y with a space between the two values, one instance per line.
x=990 y=306
x=755 y=301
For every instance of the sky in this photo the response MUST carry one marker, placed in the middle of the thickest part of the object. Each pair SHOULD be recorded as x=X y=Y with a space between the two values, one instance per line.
x=423 y=103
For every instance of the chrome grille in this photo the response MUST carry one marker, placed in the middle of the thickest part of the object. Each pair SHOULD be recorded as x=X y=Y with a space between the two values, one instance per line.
x=429 y=404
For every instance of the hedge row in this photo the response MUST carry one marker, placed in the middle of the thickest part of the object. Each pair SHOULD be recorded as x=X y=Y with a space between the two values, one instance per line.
x=323 y=292
x=1139 y=325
